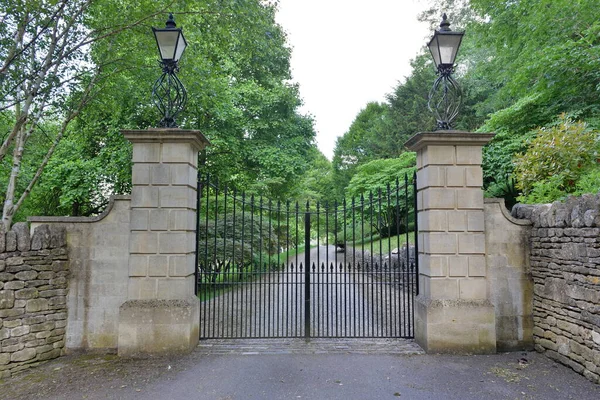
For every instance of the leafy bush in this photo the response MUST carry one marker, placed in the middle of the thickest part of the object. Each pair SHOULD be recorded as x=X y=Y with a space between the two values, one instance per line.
x=556 y=160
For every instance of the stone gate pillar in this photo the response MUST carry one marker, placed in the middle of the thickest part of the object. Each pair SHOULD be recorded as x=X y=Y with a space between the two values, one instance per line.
x=161 y=315
x=453 y=313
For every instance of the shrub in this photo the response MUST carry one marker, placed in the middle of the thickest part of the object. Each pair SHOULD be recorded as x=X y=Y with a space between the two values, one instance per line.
x=556 y=160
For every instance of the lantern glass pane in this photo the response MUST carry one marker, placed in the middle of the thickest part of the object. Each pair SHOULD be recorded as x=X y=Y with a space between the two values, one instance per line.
x=448 y=47
x=434 y=49
x=181 y=45
x=167 y=41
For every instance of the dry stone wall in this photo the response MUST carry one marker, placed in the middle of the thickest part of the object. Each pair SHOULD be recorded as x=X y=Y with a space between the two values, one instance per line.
x=565 y=263
x=33 y=292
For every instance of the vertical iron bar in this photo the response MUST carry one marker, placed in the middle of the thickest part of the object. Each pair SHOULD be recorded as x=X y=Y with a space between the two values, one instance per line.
x=297 y=278
x=307 y=273
x=373 y=300
x=207 y=306
x=362 y=271
x=408 y=275
x=260 y=267
x=244 y=288
x=252 y=311
x=225 y=282
x=214 y=276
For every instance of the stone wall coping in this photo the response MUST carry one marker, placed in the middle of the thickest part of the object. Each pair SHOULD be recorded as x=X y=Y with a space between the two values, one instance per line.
x=505 y=213
x=167 y=135
x=95 y=218
x=447 y=138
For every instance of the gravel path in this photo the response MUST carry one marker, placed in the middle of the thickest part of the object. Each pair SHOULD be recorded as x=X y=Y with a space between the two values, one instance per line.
x=344 y=302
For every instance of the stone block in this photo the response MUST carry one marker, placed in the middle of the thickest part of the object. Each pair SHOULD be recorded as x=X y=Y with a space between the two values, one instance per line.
x=23 y=355
x=7 y=299
x=6 y=277
x=23 y=238
x=443 y=289
x=26 y=294
x=468 y=155
x=143 y=243
x=475 y=221
x=49 y=355
x=159 y=220
x=144 y=197
x=41 y=238
x=471 y=243
x=183 y=175
x=176 y=243
x=58 y=237
x=439 y=243
x=457 y=221
x=142 y=288
x=439 y=155
x=35 y=305
x=2 y=239
x=477 y=266
x=19 y=331
x=458 y=266
x=140 y=174
x=26 y=275
x=158 y=327
x=433 y=221
x=138 y=265
x=158 y=265
x=474 y=176
x=140 y=219
x=180 y=266
x=4 y=358
x=178 y=153
x=175 y=288
x=469 y=198
x=14 y=285
x=182 y=220
x=455 y=176
x=4 y=334
x=177 y=197
x=160 y=174
x=434 y=198
x=473 y=289
x=146 y=153
x=13 y=323
x=431 y=177
x=11 y=241
x=455 y=326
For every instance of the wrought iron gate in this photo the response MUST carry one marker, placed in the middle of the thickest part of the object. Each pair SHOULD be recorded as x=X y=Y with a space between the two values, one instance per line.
x=278 y=269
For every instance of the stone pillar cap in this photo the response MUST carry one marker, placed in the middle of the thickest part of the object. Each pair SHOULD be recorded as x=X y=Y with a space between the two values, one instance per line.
x=166 y=135
x=447 y=138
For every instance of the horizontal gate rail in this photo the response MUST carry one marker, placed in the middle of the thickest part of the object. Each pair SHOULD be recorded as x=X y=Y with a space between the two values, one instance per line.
x=271 y=270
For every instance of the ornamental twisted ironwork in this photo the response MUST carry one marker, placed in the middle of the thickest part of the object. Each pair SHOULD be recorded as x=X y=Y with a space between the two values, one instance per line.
x=445 y=98
x=169 y=94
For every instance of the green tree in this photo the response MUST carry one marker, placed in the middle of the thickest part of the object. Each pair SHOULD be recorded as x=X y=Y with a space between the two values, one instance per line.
x=359 y=144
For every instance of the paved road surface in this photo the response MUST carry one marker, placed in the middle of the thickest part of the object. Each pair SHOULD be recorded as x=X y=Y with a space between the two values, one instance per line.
x=292 y=370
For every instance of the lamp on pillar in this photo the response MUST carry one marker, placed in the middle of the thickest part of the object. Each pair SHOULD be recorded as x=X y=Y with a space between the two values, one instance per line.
x=168 y=93
x=445 y=96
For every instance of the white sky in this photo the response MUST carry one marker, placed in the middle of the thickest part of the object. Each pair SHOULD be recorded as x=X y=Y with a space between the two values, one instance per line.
x=347 y=53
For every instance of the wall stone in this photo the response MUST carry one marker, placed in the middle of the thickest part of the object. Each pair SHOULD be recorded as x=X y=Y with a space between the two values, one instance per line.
x=33 y=291
x=99 y=254
x=509 y=278
x=565 y=264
